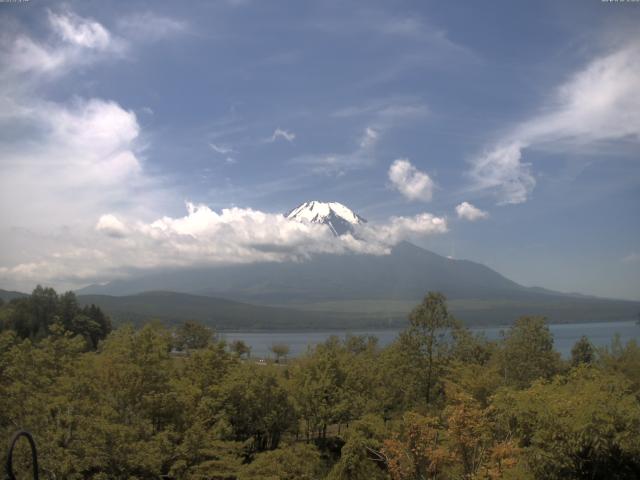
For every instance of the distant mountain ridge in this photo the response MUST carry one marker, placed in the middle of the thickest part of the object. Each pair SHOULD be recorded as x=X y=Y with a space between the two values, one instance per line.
x=8 y=295
x=374 y=290
x=333 y=291
x=173 y=307
x=406 y=273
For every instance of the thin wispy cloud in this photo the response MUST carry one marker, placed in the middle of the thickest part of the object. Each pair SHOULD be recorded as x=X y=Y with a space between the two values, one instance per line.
x=632 y=258
x=80 y=31
x=380 y=116
x=338 y=164
x=75 y=41
x=369 y=138
x=221 y=148
x=283 y=134
x=145 y=26
x=410 y=27
x=386 y=112
x=502 y=171
x=597 y=105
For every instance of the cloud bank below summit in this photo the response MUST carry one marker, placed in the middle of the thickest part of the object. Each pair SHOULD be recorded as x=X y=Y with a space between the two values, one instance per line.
x=203 y=237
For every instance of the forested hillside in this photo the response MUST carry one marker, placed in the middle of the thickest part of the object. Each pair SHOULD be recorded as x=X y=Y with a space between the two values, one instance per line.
x=354 y=288
x=439 y=403
x=172 y=308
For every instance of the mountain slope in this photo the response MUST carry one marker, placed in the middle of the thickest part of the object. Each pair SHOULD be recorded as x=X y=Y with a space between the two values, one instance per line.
x=339 y=218
x=8 y=295
x=407 y=273
x=377 y=289
x=172 y=307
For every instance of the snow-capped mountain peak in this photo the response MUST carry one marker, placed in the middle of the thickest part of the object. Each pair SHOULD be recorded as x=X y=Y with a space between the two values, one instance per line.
x=338 y=217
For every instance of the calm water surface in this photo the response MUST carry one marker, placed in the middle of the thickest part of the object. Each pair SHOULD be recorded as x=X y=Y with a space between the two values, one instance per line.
x=564 y=335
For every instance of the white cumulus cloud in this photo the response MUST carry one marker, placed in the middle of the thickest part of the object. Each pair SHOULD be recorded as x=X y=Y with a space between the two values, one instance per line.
x=469 y=212
x=64 y=161
x=202 y=237
x=409 y=181
x=111 y=226
x=84 y=151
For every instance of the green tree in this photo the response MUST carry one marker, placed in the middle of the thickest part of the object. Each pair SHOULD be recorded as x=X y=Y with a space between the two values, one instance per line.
x=476 y=450
x=623 y=359
x=582 y=352
x=32 y=317
x=240 y=348
x=361 y=457
x=318 y=384
x=67 y=309
x=426 y=336
x=201 y=454
x=527 y=352
x=192 y=335
x=255 y=405
x=280 y=350
x=582 y=425
x=293 y=462
x=416 y=450
x=43 y=306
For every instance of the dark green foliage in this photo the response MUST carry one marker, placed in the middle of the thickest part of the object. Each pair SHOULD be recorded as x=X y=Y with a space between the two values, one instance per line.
x=582 y=352
x=34 y=316
x=359 y=457
x=527 y=352
x=291 y=462
x=624 y=359
x=255 y=405
x=430 y=322
x=580 y=426
x=280 y=350
x=348 y=409
x=173 y=308
x=240 y=348
x=192 y=336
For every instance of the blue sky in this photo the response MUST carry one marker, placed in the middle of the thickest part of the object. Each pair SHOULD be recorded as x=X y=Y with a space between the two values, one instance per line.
x=115 y=115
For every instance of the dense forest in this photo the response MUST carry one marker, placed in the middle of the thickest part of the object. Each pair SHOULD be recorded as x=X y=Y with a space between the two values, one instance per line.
x=438 y=403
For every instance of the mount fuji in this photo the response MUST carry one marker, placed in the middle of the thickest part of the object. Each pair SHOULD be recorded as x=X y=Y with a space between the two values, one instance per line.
x=339 y=218
x=341 y=290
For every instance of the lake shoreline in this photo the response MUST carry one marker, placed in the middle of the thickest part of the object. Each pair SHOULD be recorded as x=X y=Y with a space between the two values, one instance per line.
x=381 y=328
x=565 y=335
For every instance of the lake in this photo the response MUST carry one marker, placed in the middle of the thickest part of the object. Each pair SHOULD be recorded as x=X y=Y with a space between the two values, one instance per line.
x=565 y=335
